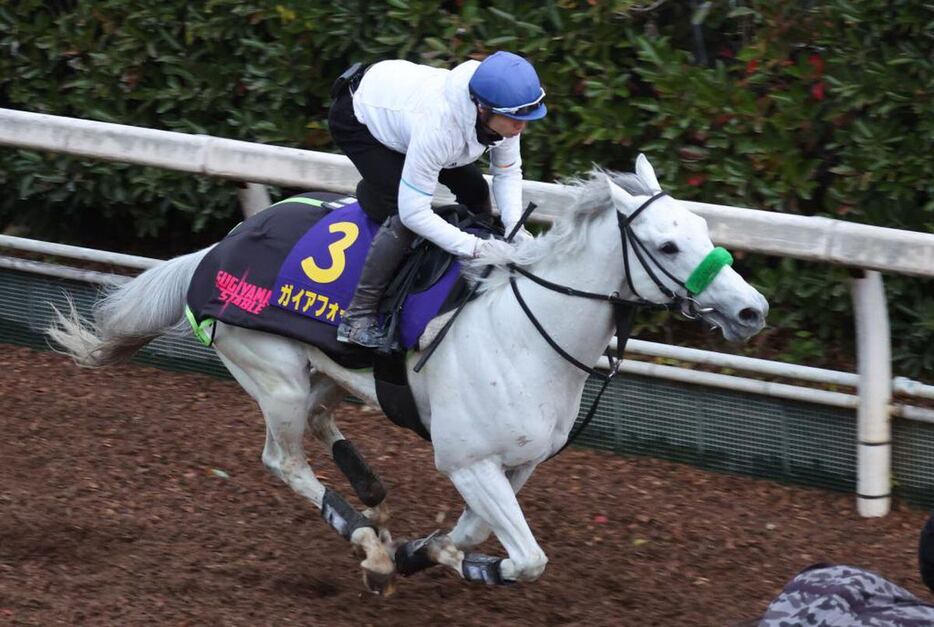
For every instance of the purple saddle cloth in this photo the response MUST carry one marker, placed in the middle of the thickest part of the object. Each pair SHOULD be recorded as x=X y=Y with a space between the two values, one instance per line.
x=292 y=269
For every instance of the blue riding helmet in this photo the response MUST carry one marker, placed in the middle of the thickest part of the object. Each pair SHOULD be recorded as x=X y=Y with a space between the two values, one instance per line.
x=507 y=84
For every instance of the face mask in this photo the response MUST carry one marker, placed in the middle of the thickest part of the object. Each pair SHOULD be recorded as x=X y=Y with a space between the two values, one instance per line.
x=486 y=135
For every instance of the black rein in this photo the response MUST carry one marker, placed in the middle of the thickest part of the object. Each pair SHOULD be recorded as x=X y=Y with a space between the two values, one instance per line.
x=624 y=311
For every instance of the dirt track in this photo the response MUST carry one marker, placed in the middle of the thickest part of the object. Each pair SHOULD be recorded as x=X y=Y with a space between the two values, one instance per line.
x=135 y=496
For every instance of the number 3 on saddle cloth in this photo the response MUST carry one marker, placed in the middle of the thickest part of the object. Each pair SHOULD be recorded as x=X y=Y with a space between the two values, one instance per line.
x=292 y=269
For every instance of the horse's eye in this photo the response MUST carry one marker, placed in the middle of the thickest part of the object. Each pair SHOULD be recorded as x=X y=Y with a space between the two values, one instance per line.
x=669 y=248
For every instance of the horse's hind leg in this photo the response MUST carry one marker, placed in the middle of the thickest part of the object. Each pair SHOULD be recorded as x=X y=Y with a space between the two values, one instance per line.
x=276 y=372
x=364 y=481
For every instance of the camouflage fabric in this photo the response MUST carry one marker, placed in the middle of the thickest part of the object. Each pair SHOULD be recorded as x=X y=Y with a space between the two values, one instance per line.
x=833 y=595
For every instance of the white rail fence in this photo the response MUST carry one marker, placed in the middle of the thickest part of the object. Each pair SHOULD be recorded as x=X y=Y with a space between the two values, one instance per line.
x=870 y=249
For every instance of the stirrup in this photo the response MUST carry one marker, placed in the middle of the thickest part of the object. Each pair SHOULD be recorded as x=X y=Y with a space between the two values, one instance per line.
x=343 y=333
x=369 y=336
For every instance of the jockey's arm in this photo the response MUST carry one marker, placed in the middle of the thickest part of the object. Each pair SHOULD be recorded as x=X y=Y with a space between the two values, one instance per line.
x=423 y=163
x=506 y=168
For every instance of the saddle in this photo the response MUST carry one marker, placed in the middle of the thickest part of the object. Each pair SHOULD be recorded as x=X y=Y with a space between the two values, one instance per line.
x=424 y=267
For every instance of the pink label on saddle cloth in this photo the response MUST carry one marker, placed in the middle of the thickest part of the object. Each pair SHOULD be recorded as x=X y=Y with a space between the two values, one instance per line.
x=238 y=292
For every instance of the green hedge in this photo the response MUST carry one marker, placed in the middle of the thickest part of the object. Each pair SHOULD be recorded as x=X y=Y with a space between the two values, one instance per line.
x=800 y=107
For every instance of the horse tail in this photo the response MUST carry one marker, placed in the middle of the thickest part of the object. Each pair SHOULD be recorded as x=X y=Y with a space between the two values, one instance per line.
x=129 y=316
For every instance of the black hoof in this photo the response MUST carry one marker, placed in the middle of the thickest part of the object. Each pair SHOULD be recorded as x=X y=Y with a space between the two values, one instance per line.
x=412 y=557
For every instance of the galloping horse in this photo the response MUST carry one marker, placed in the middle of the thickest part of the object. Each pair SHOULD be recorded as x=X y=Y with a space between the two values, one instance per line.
x=496 y=399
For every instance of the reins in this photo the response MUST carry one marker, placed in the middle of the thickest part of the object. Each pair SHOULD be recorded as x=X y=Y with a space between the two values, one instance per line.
x=430 y=349
x=624 y=310
x=624 y=314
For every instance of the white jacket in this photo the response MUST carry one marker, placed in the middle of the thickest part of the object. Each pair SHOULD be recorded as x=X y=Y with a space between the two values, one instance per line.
x=426 y=113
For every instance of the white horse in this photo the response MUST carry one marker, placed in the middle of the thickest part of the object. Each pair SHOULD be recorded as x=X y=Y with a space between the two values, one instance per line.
x=495 y=397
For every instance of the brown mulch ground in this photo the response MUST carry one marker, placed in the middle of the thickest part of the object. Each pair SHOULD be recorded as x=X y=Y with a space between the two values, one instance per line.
x=133 y=496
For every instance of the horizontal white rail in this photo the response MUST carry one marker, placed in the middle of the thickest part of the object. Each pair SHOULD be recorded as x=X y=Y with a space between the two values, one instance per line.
x=765 y=388
x=740 y=362
x=900 y=385
x=77 y=252
x=198 y=154
x=908 y=387
x=802 y=237
x=62 y=272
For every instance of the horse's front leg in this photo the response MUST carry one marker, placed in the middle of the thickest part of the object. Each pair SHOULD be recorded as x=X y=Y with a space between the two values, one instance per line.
x=490 y=494
x=471 y=529
x=491 y=505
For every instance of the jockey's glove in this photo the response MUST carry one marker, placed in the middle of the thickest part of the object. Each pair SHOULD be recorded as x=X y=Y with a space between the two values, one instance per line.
x=492 y=249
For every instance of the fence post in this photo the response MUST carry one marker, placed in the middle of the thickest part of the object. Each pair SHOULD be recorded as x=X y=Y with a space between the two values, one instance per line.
x=253 y=198
x=874 y=432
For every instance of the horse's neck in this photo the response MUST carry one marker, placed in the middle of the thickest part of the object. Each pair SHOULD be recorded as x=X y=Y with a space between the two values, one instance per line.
x=582 y=326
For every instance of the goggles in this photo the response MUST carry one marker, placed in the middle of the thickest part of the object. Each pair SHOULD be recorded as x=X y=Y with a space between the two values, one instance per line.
x=521 y=109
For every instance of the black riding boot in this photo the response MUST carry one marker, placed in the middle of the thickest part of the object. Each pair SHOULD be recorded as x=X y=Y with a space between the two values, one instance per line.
x=359 y=324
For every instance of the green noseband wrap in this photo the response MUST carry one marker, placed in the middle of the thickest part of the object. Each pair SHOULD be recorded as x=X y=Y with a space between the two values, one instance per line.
x=707 y=270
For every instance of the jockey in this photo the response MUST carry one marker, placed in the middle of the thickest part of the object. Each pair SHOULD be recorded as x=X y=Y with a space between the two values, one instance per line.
x=407 y=127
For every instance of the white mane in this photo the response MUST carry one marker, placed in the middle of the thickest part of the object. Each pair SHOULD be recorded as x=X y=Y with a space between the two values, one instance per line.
x=567 y=235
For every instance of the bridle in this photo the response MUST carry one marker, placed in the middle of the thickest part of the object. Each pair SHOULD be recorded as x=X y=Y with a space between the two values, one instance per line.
x=625 y=309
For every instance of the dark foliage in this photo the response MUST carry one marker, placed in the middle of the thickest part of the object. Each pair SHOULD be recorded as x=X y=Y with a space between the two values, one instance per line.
x=800 y=107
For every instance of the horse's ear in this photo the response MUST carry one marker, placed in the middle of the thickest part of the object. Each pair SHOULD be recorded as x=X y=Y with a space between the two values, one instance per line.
x=646 y=172
x=622 y=200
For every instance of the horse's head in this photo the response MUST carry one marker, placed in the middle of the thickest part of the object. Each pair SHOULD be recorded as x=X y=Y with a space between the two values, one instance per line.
x=670 y=258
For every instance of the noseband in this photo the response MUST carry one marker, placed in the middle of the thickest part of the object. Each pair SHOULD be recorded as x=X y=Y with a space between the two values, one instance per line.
x=702 y=276
x=624 y=309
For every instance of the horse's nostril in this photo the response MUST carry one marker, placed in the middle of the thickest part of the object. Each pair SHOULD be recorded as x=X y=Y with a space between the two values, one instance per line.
x=749 y=315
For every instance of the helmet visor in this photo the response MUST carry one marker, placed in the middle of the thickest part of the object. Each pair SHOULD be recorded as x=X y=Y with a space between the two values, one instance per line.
x=527 y=111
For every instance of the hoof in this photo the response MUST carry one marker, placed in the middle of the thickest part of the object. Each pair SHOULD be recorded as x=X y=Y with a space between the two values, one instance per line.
x=378 y=567
x=379 y=583
x=414 y=556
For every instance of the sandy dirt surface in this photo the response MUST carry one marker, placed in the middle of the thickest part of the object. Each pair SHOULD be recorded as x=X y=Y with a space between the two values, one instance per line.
x=134 y=496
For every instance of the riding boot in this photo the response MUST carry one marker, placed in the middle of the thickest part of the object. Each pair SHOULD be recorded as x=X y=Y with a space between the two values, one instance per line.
x=359 y=323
